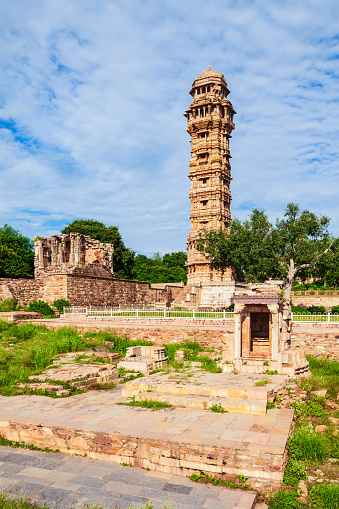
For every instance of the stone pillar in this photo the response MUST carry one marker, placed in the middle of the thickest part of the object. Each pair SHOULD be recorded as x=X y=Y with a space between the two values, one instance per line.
x=245 y=334
x=39 y=254
x=237 y=330
x=274 y=310
x=54 y=250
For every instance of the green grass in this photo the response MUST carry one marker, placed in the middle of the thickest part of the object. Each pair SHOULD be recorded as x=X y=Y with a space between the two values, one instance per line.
x=308 y=445
x=265 y=381
x=10 y=502
x=240 y=481
x=325 y=375
x=308 y=449
x=285 y=499
x=27 y=350
x=8 y=305
x=325 y=496
x=217 y=408
x=194 y=353
x=153 y=405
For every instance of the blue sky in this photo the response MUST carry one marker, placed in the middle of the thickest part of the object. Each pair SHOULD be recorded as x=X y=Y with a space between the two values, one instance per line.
x=92 y=99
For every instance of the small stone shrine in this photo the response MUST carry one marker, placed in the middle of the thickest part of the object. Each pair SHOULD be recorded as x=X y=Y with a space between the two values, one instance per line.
x=262 y=338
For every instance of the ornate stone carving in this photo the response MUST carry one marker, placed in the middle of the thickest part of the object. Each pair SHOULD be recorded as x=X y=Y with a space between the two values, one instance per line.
x=70 y=251
x=210 y=123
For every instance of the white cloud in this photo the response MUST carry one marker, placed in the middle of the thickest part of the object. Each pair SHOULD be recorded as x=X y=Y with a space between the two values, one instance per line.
x=95 y=92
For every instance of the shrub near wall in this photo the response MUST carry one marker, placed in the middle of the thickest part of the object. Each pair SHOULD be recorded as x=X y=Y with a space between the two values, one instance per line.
x=39 y=306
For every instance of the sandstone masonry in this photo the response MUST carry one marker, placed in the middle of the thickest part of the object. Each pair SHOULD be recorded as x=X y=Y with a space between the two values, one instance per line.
x=79 y=269
x=210 y=123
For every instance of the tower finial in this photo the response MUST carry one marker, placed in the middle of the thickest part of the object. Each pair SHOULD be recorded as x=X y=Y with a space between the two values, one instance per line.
x=209 y=67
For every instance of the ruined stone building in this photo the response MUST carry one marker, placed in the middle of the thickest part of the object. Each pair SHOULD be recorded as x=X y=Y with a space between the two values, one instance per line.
x=79 y=269
x=68 y=251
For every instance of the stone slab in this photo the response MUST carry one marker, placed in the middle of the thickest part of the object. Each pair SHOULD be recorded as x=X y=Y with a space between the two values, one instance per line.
x=141 y=487
x=175 y=441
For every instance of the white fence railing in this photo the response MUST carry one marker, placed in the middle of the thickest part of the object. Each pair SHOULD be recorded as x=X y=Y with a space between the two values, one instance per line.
x=147 y=313
x=327 y=318
x=184 y=314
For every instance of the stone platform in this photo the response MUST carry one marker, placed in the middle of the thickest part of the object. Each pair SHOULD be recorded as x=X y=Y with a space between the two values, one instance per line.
x=176 y=441
x=200 y=389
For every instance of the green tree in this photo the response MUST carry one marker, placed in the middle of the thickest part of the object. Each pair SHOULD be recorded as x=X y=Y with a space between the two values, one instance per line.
x=169 y=269
x=16 y=254
x=258 y=250
x=328 y=267
x=177 y=259
x=123 y=257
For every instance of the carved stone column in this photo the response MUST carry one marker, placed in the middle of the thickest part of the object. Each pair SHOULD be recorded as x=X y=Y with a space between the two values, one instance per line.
x=274 y=310
x=237 y=330
x=39 y=254
x=54 y=250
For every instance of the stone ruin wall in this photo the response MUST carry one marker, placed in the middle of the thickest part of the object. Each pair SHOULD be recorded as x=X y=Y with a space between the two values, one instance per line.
x=81 y=290
x=69 y=251
x=79 y=269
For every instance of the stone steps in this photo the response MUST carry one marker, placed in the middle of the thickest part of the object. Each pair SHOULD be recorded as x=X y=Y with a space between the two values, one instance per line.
x=236 y=405
x=186 y=389
x=185 y=394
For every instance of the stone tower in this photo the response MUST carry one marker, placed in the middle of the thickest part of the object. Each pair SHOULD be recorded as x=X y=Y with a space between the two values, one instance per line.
x=210 y=124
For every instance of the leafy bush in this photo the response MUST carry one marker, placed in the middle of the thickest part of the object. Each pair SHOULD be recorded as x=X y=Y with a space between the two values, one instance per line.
x=307 y=444
x=294 y=472
x=317 y=310
x=60 y=304
x=298 y=310
x=335 y=309
x=217 y=408
x=325 y=495
x=8 y=305
x=39 y=306
x=285 y=499
x=309 y=409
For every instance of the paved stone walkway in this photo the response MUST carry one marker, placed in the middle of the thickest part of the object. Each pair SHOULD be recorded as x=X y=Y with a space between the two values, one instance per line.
x=173 y=441
x=56 y=480
x=96 y=411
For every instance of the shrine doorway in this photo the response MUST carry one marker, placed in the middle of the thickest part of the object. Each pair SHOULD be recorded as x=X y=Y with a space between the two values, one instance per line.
x=260 y=334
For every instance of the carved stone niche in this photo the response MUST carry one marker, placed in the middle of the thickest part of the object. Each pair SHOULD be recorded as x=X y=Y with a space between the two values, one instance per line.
x=259 y=341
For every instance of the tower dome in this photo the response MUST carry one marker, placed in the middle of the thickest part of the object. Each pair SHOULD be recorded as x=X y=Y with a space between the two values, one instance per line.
x=209 y=80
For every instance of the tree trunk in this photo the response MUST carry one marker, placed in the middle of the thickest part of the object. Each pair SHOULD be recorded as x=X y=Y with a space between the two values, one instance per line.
x=287 y=315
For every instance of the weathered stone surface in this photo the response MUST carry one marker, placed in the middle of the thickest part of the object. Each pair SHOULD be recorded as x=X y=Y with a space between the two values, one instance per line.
x=178 y=441
x=80 y=375
x=144 y=358
x=79 y=269
x=210 y=124
x=70 y=251
x=199 y=389
x=16 y=316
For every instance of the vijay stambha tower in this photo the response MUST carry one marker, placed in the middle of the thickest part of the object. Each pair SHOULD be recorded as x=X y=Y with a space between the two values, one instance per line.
x=210 y=124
